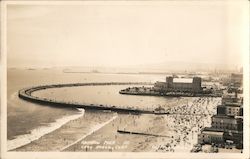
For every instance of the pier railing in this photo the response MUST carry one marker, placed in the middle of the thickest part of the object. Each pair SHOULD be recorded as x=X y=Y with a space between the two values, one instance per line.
x=26 y=94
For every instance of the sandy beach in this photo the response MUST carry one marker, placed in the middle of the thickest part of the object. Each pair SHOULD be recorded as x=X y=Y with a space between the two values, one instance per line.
x=155 y=78
x=97 y=130
x=187 y=126
x=68 y=133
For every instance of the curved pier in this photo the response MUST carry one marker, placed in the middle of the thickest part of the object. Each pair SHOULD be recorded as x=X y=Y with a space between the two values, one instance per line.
x=26 y=94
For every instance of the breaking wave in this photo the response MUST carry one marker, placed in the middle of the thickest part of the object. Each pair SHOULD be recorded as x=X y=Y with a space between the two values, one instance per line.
x=35 y=134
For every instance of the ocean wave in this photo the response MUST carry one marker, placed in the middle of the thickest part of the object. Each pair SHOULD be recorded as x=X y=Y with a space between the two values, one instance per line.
x=35 y=134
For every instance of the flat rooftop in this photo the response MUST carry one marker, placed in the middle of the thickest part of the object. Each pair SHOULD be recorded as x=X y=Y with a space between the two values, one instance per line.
x=230 y=105
x=183 y=80
x=223 y=116
x=212 y=132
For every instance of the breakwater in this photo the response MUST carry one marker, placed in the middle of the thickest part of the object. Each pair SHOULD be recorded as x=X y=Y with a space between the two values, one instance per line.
x=26 y=94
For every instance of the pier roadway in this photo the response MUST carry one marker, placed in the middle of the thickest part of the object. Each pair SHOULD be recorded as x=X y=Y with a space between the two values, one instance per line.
x=26 y=94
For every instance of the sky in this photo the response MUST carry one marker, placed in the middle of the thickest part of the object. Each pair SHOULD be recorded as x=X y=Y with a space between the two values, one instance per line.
x=125 y=34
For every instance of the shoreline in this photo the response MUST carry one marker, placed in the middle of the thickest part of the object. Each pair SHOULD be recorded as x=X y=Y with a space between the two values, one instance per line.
x=98 y=131
x=35 y=134
x=67 y=133
x=107 y=139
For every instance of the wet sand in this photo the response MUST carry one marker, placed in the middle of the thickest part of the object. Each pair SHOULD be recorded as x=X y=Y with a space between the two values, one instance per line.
x=24 y=116
x=68 y=133
x=108 y=139
x=181 y=131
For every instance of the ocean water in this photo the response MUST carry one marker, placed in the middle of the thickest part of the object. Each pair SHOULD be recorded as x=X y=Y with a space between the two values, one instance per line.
x=28 y=118
x=28 y=121
x=108 y=95
x=38 y=132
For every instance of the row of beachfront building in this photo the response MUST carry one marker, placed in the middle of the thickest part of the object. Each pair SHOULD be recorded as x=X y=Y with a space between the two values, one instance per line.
x=227 y=124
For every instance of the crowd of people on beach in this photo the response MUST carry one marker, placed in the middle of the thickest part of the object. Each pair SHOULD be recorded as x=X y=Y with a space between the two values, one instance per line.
x=174 y=132
x=177 y=131
x=186 y=121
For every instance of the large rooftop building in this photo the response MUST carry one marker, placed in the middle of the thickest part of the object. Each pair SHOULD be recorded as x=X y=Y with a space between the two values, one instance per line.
x=191 y=85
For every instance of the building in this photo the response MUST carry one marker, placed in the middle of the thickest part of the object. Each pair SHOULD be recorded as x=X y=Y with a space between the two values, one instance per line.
x=225 y=123
x=211 y=136
x=190 y=85
x=234 y=137
x=160 y=86
x=231 y=105
x=236 y=82
x=236 y=79
x=233 y=109
x=231 y=98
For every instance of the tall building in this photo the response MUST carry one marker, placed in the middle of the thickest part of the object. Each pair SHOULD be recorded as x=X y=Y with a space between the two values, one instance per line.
x=227 y=124
x=190 y=85
x=230 y=109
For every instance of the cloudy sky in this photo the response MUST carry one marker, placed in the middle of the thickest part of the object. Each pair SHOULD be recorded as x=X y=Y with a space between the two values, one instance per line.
x=124 y=34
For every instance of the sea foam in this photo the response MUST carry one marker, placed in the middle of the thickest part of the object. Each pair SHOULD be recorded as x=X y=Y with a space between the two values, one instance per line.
x=35 y=134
